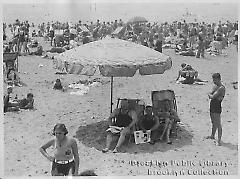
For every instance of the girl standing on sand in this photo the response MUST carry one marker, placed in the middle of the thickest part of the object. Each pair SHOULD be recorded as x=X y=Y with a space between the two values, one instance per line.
x=66 y=155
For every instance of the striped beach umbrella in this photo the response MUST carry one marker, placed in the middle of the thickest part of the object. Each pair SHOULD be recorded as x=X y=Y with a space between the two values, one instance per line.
x=112 y=58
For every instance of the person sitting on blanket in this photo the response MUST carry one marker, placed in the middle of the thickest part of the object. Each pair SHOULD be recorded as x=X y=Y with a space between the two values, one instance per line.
x=149 y=121
x=169 y=116
x=15 y=105
x=125 y=120
x=27 y=103
x=58 y=85
x=189 y=74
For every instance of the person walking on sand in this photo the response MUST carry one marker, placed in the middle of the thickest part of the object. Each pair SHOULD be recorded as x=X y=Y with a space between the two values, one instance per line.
x=216 y=96
x=66 y=155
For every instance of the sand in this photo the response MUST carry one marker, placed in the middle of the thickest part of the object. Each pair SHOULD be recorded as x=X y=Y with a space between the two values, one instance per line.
x=85 y=117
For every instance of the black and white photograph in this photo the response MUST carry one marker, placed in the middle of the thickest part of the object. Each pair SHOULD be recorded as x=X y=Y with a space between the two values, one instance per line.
x=119 y=88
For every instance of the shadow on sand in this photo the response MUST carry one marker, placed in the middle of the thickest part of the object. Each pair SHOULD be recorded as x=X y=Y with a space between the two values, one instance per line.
x=230 y=146
x=94 y=135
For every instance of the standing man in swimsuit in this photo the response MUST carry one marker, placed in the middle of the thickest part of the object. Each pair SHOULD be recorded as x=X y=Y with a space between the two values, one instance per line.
x=216 y=96
x=66 y=152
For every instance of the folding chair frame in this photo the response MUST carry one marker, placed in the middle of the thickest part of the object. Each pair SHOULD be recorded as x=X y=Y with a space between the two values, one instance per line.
x=11 y=57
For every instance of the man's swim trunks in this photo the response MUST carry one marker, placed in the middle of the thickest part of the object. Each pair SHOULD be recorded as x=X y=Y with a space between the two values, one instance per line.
x=215 y=106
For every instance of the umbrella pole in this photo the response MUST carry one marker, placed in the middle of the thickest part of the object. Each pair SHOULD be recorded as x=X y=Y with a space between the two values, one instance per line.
x=111 y=92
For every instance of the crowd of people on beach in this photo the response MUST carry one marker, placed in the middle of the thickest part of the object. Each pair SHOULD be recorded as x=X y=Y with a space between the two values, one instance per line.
x=189 y=39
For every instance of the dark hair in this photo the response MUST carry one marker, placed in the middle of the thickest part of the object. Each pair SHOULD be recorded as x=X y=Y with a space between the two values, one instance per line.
x=29 y=95
x=183 y=65
x=60 y=126
x=216 y=76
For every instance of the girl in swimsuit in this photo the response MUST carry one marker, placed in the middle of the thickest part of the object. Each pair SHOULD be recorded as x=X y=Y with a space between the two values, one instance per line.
x=65 y=152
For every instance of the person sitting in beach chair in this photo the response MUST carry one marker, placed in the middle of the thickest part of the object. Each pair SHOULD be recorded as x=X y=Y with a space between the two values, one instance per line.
x=6 y=100
x=188 y=75
x=149 y=121
x=121 y=121
x=164 y=106
x=169 y=117
x=11 y=74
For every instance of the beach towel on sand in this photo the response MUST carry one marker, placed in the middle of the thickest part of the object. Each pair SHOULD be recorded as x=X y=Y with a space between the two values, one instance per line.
x=181 y=79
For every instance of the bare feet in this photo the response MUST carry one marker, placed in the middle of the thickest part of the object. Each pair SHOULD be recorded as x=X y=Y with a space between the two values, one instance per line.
x=152 y=142
x=105 y=150
x=209 y=137
x=115 y=150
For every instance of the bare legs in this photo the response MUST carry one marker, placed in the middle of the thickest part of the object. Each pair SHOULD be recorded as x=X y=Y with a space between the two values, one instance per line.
x=216 y=126
x=111 y=137
x=167 y=128
x=120 y=140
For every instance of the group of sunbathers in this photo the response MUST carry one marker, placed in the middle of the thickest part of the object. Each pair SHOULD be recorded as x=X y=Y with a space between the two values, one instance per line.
x=127 y=119
x=15 y=104
x=188 y=75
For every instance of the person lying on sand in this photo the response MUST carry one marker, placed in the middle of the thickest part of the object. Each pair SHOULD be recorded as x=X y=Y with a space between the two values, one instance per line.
x=66 y=155
x=125 y=120
x=58 y=49
x=188 y=52
x=189 y=74
x=149 y=122
x=170 y=118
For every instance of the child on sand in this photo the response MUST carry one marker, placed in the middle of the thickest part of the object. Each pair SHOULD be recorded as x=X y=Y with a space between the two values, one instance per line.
x=58 y=85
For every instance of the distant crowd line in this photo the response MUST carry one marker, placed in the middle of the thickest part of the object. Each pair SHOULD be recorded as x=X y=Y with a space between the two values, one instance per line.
x=190 y=36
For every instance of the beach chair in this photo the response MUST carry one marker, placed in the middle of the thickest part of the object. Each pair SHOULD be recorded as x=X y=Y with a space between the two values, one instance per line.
x=10 y=61
x=159 y=99
x=134 y=104
x=11 y=58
